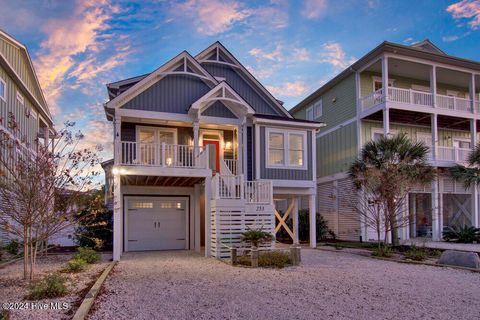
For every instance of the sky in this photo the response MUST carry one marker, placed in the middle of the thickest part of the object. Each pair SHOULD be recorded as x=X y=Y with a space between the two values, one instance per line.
x=292 y=47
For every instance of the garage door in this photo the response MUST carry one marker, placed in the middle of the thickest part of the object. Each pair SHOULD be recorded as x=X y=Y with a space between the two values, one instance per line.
x=155 y=223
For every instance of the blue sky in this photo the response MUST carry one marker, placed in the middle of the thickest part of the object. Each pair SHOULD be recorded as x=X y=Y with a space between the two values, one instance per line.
x=293 y=47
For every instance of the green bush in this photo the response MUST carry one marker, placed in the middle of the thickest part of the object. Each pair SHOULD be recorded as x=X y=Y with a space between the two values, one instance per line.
x=4 y=315
x=87 y=254
x=416 y=253
x=383 y=251
x=51 y=286
x=256 y=237
x=268 y=259
x=304 y=227
x=12 y=247
x=75 y=265
x=462 y=234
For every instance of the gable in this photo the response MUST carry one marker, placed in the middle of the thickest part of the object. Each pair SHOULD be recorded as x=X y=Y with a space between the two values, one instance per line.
x=218 y=109
x=427 y=45
x=245 y=89
x=173 y=93
x=17 y=60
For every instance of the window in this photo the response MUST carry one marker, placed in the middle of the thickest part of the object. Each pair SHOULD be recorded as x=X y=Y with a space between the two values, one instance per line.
x=377 y=83
x=20 y=98
x=276 y=149
x=377 y=133
x=3 y=90
x=309 y=113
x=318 y=109
x=286 y=149
x=462 y=144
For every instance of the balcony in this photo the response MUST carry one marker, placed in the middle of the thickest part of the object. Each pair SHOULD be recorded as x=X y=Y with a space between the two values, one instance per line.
x=451 y=154
x=161 y=155
x=235 y=188
x=420 y=98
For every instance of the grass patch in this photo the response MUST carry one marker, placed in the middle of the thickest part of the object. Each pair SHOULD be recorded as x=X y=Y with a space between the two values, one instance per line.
x=354 y=245
x=51 y=286
x=88 y=255
x=382 y=251
x=416 y=253
x=74 y=265
x=267 y=259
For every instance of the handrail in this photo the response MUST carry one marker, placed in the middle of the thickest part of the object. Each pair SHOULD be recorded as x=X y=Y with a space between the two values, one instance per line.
x=234 y=187
x=372 y=99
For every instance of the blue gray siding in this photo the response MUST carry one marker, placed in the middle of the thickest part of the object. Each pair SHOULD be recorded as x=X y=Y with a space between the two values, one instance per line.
x=285 y=174
x=257 y=100
x=218 y=110
x=174 y=94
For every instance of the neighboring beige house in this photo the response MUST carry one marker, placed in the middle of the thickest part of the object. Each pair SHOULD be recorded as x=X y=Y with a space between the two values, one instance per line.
x=22 y=96
x=432 y=97
x=202 y=153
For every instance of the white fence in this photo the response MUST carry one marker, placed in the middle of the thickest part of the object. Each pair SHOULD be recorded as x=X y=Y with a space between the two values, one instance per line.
x=410 y=96
x=161 y=154
x=453 y=154
x=454 y=103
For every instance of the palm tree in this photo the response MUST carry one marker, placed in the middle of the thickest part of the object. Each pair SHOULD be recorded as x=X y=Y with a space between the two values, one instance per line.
x=390 y=168
x=469 y=175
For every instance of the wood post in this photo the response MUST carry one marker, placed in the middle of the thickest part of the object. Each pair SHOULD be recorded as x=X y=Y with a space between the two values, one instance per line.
x=233 y=254
x=295 y=255
x=254 y=257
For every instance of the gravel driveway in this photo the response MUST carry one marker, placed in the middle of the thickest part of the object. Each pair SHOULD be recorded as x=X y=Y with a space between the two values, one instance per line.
x=184 y=285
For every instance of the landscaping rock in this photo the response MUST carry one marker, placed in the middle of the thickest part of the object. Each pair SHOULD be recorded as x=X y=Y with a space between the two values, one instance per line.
x=460 y=259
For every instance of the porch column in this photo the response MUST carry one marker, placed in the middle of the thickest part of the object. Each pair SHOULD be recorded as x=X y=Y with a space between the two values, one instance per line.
x=472 y=93
x=208 y=216
x=434 y=136
x=295 y=219
x=117 y=123
x=196 y=128
x=312 y=206
x=436 y=232
x=240 y=149
x=196 y=218
x=386 y=122
x=385 y=76
x=433 y=84
x=473 y=137
x=117 y=217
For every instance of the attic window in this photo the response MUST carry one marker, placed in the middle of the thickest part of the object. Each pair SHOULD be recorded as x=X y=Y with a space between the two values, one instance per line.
x=3 y=90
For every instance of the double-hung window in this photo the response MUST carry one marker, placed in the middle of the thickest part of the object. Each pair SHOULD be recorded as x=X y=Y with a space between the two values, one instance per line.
x=3 y=90
x=286 y=149
x=315 y=111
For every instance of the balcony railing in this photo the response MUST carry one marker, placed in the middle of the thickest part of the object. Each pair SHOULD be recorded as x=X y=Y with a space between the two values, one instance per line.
x=234 y=187
x=161 y=155
x=415 y=97
x=453 y=154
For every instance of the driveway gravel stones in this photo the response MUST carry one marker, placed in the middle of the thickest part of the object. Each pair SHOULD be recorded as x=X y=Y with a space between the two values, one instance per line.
x=327 y=285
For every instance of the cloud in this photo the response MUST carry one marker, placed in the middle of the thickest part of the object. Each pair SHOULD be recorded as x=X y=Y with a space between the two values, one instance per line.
x=466 y=9
x=314 y=9
x=334 y=54
x=301 y=54
x=289 y=89
x=450 y=38
x=275 y=55
x=212 y=16
x=74 y=46
x=260 y=73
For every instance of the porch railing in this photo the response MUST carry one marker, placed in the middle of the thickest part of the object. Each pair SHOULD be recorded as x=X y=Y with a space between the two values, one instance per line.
x=452 y=154
x=234 y=187
x=454 y=103
x=161 y=154
x=372 y=99
x=410 y=96
x=232 y=165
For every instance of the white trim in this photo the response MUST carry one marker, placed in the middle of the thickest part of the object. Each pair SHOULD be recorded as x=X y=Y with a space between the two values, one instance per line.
x=341 y=125
x=287 y=122
x=156 y=76
x=293 y=184
x=257 y=151
x=4 y=97
x=309 y=113
x=379 y=79
x=154 y=115
x=220 y=139
x=286 y=149
x=461 y=140
x=20 y=98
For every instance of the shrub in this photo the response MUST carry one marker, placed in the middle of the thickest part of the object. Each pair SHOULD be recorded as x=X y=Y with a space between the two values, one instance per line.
x=268 y=259
x=416 y=253
x=75 y=265
x=87 y=254
x=256 y=237
x=12 y=247
x=462 y=234
x=382 y=251
x=51 y=286
x=4 y=315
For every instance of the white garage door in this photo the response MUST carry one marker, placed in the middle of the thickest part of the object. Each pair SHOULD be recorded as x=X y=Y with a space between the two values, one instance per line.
x=156 y=223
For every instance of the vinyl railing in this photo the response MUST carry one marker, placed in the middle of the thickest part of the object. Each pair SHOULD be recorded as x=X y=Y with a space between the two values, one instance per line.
x=453 y=154
x=232 y=165
x=372 y=99
x=234 y=187
x=454 y=103
x=161 y=154
x=410 y=96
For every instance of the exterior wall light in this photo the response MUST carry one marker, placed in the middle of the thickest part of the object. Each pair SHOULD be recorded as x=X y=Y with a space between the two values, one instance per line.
x=228 y=145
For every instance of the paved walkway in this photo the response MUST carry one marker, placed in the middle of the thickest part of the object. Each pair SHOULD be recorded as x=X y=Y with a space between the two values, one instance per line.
x=445 y=245
x=328 y=285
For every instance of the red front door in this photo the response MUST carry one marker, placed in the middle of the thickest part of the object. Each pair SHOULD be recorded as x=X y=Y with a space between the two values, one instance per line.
x=217 y=152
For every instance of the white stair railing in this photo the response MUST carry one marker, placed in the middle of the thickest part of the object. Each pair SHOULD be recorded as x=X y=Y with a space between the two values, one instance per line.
x=232 y=165
x=259 y=192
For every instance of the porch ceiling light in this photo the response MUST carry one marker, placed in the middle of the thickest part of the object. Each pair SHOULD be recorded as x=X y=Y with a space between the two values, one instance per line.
x=228 y=145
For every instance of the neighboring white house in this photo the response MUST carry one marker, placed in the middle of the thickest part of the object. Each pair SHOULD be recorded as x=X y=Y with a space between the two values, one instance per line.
x=202 y=152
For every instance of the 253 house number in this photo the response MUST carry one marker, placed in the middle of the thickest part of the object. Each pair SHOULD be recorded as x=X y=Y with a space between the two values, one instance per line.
x=260 y=208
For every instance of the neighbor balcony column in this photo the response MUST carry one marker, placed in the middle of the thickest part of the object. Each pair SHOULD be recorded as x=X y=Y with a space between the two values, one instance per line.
x=472 y=93
x=385 y=77
x=239 y=149
x=473 y=136
x=436 y=232
x=312 y=206
x=433 y=85
x=295 y=219
x=386 y=122
x=434 y=129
